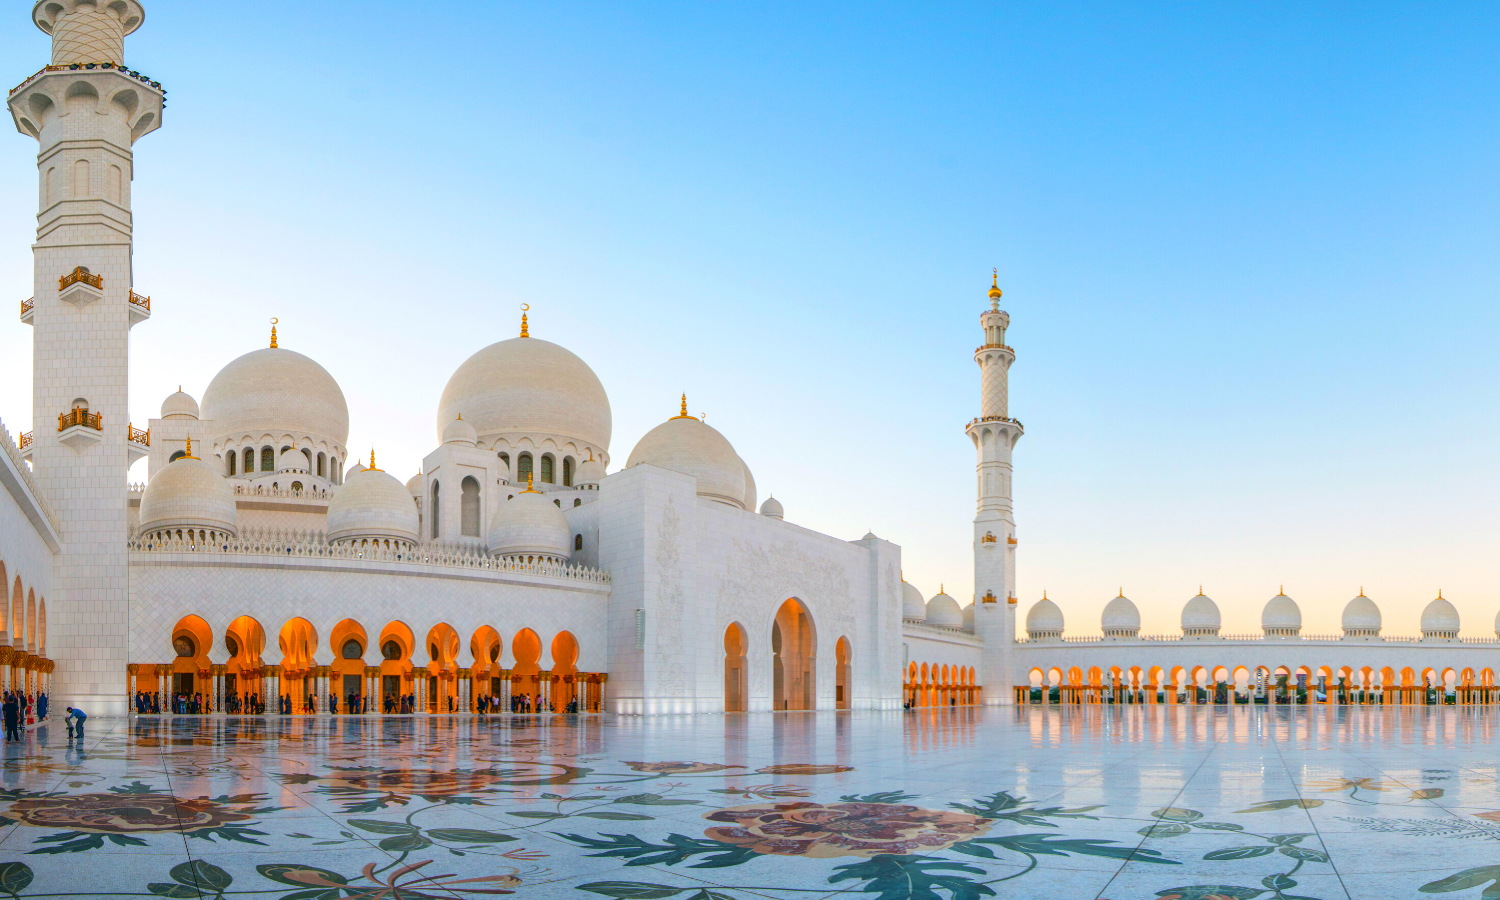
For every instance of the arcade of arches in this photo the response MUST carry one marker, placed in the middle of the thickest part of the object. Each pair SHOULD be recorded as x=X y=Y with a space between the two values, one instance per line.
x=935 y=685
x=24 y=665
x=794 y=642
x=1272 y=685
x=302 y=685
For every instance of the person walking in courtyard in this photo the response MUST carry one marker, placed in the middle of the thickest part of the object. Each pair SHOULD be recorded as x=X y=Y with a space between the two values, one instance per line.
x=12 y=714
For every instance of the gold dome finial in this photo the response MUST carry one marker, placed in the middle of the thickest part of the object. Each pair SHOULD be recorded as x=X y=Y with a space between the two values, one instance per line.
x=683 y=413
x=372 y=460
x=1122 y=591
x=529 y=488
x=1200 y=590
x=1281 y=590
x=189 y=453
x=1361 y=590
x=274 y=322
x=524 y=308
x=995 y=286
x=1044 y=593
x=1440 y=593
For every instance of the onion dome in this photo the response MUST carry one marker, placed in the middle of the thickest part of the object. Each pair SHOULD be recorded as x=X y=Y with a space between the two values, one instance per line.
x=943 y=611
x=528 y=387
x=1440 y=620
x=276 y=391
x=460 y=432
x=1044 y=620
x=292 y=460
x=188 y=495
x=414 y=485
x=1281 y=617
x=1120 y=618
x=870 y=536
x=748 y=500
x=1200 y=617
x=529 y=526
x=772 y=509
x=969 y=618
x=502 y=471
x=590 y=472
x=179 y=406
x=354 y=470
x=687 y=445
x=912 y=604
x=371 y=504
x=1361 y=617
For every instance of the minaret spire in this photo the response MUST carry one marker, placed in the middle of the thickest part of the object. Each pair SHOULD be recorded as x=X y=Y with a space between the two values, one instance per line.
x=995 y=434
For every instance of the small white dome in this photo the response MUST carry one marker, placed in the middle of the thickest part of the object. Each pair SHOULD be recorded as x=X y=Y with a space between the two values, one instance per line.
x=870 y=536
x=1361 y=617
x=460 y=432
x=772 y=508
x=1281 y=615
x=528 y=386
x=188 y=493
x=1200 y=616
x=179 y=406
x=292 y=460
x=275 y=391
x=1044 y=619
x=590 y=471
x=912 y=604
x=372 y=504
x=943 y=611
x=1440 y=619
x=529 y=524
x=414 y=485
x=969 y=618
x=749 y=498
x=353 y=470
x=686 y=444
x=1497 y=624
x=1120 y=618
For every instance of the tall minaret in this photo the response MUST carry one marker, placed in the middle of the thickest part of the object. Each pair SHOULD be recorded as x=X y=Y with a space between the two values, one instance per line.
x=86 y=110
x=995 y=434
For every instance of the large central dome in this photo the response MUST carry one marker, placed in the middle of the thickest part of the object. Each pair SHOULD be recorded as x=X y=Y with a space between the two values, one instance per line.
x=528 y=386
x=276 y=391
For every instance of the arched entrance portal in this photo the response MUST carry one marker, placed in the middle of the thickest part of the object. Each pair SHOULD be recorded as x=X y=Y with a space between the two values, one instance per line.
x=734 y=668
x=841 y=683
x=794 y=658
x=525 y=692
x=564 y=673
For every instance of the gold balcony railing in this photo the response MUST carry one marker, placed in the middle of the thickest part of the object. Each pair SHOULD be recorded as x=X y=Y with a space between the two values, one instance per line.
x=137 y=436
x=25 y=440
x=27 y=304
x=82 y=417
x=142 y=302
x=83 y=275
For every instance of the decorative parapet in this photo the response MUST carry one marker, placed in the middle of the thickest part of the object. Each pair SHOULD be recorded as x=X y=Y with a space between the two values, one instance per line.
x=137 y=436
x=14 y=453
x=261 y=490
x=142 y=302
x=81 y=66
x=1251 y=638
x=81 y=275
x=1007 y=419
x=298 y=544
x=76 y=417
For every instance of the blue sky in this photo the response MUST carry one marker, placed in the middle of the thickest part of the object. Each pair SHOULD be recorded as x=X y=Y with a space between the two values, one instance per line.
x=1248 y=252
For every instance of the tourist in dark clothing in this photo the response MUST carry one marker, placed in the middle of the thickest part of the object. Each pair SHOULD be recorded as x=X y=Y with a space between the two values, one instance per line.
x=12 y=714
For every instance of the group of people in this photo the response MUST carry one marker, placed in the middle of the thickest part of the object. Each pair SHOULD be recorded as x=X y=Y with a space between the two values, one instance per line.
x=147 y=703
x=18 y=709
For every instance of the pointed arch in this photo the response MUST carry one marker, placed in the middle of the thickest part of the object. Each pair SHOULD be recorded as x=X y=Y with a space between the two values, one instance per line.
x=735 y=645
x=794 y=657
x=564 y=670
x=844 y=656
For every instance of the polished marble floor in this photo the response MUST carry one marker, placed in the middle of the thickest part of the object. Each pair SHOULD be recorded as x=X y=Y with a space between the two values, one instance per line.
x=1161 y=803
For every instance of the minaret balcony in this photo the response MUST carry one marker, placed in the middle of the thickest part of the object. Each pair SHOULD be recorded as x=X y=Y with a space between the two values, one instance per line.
x=140 y=308
x=80 y=429
x=120 y=91
x=1006 y=419
x=27 y=306
x=23 y=443
x=137 y=442
x=80 y=287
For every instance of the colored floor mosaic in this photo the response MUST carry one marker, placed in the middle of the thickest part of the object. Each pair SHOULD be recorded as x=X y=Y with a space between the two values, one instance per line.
x=1159 y=803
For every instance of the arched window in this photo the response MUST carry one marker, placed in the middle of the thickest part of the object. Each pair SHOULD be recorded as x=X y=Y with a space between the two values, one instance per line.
x=267 y=459
x=435 y=516
x=577 y=542
x=322 y=464
x=352 y=649
x=176 y=456
x=307 y=455
x=297 y=486
x=469 y=512
x=233 y=458
x=523 y=468
x=249 y=461
x=81 y=178
x=547 y=477
x=577 y=501
x=505 y=458
x=567 y=471
x=336 y=469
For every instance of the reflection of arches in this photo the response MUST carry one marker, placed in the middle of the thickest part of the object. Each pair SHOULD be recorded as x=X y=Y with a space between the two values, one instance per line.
x=564 y=670
x=793 y=648
x=841 y=698
x=734 y=668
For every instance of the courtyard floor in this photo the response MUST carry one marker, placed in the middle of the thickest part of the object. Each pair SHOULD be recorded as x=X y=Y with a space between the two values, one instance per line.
x=1035 y=802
